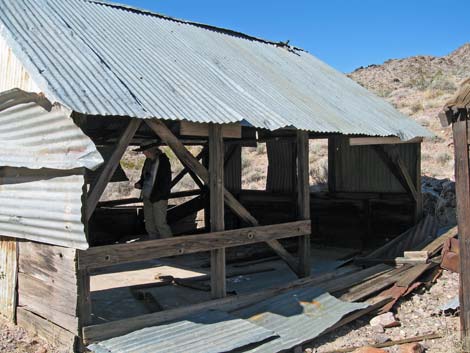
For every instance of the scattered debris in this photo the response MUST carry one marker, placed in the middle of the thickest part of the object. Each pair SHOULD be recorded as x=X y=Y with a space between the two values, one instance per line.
x=412 y=348
x=386 y=320
x=451 y=306
x=451 y=255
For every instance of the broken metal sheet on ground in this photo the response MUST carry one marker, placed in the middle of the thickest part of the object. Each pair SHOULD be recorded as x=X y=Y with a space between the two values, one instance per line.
x=451 y=305
x=208 y=332
x=297 y=316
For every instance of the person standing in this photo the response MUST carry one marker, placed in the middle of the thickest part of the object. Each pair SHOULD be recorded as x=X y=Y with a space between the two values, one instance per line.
x=155 y=183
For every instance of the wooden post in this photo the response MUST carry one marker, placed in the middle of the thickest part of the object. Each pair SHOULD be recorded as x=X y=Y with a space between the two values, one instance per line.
x=216 y=185
x=110 y=167
x=303 y=200
x=84 y=298
x=419 y=200
x=462 y=188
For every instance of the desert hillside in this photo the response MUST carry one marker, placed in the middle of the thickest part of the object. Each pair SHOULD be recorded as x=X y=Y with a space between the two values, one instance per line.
x=419 y=86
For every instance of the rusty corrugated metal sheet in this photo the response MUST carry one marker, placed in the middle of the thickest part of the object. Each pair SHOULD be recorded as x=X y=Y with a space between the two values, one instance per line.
x=208 y=332
x=8 y=277
x=43 y=205
x=297 y=317
x=360 y=169
x=12 y=72
x=35 y=136
x=99 y=58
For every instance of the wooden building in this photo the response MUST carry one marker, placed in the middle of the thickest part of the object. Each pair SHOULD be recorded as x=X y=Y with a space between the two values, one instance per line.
x=79 y=77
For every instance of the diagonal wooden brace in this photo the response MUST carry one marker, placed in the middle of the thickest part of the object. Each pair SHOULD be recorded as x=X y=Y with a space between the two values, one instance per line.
x=110 y=167
x=193 y=164
x=391 y=157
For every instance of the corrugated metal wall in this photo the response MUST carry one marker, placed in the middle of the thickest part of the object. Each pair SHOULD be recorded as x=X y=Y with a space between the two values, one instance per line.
x=34 y=137
x=8 y=277
x=282 y=166
x=359 y=168
x=43 y=205
x=12 y=72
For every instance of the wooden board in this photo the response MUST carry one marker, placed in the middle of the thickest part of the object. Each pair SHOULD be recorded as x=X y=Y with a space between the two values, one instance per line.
x=363 y=141
x=202 y=129
x=103 y=256
x=47 y=283
x=8 y=277
x=65 y=341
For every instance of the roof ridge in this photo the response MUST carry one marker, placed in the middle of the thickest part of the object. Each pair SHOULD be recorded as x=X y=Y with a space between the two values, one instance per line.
x=197 y=24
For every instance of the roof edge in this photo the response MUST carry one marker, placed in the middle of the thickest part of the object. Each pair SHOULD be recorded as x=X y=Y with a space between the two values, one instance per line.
x=222 y=30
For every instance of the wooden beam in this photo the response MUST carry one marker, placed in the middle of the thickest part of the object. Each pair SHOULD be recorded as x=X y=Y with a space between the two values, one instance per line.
x=417 y=183
x=462 y=188
x=230 y=201
x=110 y=167
x=397 y=167
x=303 y=200
x=364 y=141
x=233 y=130
x=103 y=256
x=186 y=170
x=217 y=214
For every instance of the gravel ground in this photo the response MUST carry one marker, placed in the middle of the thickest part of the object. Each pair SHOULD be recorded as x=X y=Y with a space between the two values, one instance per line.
x=14 y=339
x=418 y=314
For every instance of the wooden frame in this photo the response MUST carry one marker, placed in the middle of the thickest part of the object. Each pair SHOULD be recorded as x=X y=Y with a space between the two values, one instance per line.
x=230 y=201
x=108 y=255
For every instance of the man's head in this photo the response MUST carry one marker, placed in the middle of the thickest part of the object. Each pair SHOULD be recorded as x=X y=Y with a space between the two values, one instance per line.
x=149 y=149
x=152 y=153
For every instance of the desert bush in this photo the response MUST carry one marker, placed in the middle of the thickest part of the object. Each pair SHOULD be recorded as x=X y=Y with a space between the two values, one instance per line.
x=319 y=172
x=442 y=83
x=416 y=107
x=443 y=157
x=246 y=163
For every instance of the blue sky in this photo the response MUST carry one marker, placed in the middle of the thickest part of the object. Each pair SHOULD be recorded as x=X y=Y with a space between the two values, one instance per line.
x=345 y=34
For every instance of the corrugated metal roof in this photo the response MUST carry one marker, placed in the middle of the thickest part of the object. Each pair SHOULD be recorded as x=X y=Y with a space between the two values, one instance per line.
x=35 y=137
x=207 y=332
x=102 y=59
x=297 y=316
x=43 y=205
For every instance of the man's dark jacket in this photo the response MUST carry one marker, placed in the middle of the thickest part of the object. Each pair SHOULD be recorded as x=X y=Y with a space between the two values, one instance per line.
x=162 y=186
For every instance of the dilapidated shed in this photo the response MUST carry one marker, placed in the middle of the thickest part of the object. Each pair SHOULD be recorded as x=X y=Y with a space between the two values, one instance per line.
x=78 y=77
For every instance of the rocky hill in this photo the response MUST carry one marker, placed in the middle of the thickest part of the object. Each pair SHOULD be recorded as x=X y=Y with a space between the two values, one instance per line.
x=419 y=86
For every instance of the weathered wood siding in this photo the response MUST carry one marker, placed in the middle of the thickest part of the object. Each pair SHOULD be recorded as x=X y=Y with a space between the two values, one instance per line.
x=47 y=283
x=8 y=277
x=12 y=72
x=359 y=169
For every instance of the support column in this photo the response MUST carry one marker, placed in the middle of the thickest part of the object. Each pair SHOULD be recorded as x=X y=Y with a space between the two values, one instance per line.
x=303 y=200
x=216 y=184
x=462 y=188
